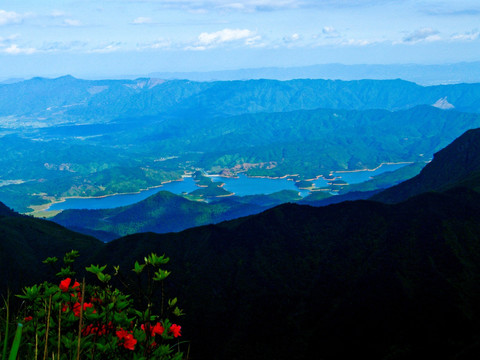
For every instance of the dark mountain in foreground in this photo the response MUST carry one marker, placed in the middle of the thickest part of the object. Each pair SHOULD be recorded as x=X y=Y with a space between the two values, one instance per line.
x=6 y=211
x=25 y=242
x=457 y=164
x=348 y=280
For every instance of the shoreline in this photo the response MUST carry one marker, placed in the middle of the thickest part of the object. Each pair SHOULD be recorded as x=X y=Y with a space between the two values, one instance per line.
x=375 y=169
x=40 y=210
x=45 y=208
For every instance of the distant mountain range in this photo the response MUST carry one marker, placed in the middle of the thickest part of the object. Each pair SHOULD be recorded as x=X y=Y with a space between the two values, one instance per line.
x=423 y=74
x=467 y=72
x=355 y=279
x=67 y=99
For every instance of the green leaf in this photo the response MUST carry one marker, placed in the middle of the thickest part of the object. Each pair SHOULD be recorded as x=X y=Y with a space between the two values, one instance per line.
x=70 y=257
x=178 y=312
x=161 y=275
x=138 y=268
x=105 y=278
x=50 y=260
x=96 y=269
x=16 y=342
x=66 y=272
x=155 y=260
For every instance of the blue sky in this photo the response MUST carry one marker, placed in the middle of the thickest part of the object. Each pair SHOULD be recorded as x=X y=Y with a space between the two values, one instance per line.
x=134 y=37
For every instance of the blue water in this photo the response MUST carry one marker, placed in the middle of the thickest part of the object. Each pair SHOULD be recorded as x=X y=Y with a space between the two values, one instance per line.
x=241 y=186
x=359 y=176
x=109 y=202
x=244 y=185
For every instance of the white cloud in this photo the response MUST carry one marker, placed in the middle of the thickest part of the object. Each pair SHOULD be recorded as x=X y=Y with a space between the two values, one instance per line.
x=328 y=30
x=424 y=34
x=226 y=36
x=15 y=50
x=356 y=42
x=468 y=36
x=56 y=46
x=71 y=22
x=223 y=36
x=142 y=20
x=260 y=5
x=8 y=39
x=108 y=48
x=57 y=13
x=292 y=39
x=10 y=17
x=155 y=45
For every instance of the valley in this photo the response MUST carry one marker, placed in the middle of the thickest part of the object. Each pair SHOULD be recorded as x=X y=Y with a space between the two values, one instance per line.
x=137 y=134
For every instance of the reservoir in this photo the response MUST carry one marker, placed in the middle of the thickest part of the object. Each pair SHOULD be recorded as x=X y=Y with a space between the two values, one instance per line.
x=241 y=186
x=244 y=185
x=113 y=201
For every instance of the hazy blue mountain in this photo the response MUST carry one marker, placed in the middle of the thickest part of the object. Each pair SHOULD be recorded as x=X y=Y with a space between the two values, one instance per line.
x=466 y=72
x=68 y=99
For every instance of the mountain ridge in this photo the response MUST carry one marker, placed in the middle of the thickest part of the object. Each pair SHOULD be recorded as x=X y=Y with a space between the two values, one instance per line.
x=450 y=167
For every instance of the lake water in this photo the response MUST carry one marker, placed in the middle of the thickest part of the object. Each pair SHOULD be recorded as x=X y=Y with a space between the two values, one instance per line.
x=113 y=201
x=362 y=176
x=241 y=186
x=244 y=185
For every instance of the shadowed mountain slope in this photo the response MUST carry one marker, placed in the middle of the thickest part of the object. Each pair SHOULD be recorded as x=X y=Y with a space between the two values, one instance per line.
x=457 y=164
x=351 y=279
x=25 y=242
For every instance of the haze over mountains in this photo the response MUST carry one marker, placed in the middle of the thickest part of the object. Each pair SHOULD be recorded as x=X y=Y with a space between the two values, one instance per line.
x=452 y=73
x=467 y=72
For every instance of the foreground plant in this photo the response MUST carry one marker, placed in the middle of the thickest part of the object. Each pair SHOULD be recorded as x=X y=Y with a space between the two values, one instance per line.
x=73 y=320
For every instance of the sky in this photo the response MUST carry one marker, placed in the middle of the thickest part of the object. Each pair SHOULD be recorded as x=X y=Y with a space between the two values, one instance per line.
x=115 y=38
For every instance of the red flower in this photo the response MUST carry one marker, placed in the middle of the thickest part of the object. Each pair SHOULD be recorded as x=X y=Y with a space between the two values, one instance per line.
x=76 y=308
x=175 y=330
x=65 y=284
x=28 y=318
x=90 y=329
x=156 y=330
x=99 y=330
x=128 y=340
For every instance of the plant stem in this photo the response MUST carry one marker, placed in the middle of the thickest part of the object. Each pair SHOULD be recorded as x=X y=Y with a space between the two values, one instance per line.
x=5 y=342
x=81 y=319
x=45 y=351
x=59 y=330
